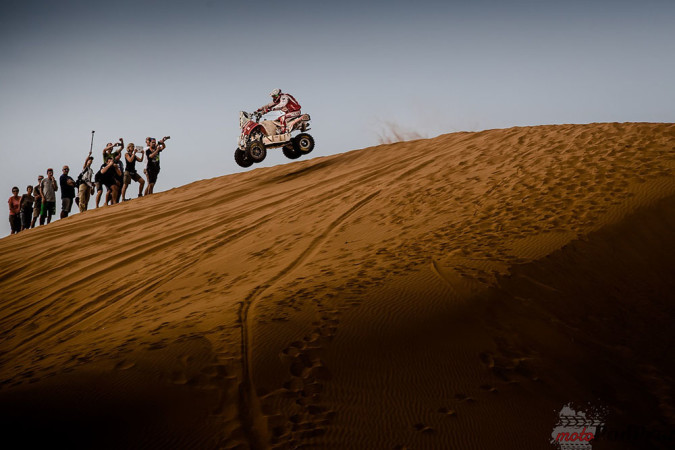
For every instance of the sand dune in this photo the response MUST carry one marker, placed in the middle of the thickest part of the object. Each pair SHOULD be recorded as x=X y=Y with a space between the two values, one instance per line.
x=453 y=292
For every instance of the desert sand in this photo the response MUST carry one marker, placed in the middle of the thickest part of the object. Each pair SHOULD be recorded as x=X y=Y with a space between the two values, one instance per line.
x=454 y=292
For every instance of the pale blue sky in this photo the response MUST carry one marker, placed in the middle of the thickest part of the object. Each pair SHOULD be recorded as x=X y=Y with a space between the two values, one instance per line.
x=136 y=68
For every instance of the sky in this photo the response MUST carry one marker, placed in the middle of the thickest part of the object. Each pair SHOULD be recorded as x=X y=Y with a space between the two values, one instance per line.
x=133 y=69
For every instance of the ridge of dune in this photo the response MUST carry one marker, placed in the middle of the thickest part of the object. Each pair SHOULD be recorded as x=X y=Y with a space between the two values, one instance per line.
x=409 y=295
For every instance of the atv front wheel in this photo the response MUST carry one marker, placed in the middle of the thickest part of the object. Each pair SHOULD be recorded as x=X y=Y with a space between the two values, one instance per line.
x=256 y=151
x=291 y=153
x=242 y=158
x=303 y=143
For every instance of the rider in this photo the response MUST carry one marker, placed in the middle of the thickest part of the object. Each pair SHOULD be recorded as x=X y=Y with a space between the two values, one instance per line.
x=285 y=103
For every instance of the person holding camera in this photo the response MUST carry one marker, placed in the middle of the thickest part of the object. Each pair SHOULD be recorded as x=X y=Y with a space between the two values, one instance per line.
x=130 y=172
x=86 y=185
x=109 y=150
x=152 y=168
x=119 y=178
x=48 y=189
x=99 y=179
x=108 y=172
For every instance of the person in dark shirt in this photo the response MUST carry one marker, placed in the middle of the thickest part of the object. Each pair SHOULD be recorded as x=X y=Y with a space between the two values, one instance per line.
x=152 y=168
x=38 y=201
x=119 y=178
x=130 y=172
x=67 y=192
x=27 y=200
x=108 y=172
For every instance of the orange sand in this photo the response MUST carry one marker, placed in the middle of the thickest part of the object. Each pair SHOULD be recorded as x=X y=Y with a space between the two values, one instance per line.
x=454 y=292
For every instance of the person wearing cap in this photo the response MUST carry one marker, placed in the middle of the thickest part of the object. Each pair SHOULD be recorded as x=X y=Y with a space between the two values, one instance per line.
x=86 y=187
x=285 y=103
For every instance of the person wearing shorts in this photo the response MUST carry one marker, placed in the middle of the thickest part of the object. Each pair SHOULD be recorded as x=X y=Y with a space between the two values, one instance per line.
x=48 y=189
x=130 y=173
x=107 y=178
x=37 y=206
x=98 y=178
x=152 y=168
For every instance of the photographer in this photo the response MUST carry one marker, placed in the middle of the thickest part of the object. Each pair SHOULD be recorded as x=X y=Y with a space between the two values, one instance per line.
x=107 y=179
x=130 y=171
x=108 y=155
x=152 y=167
x=119 y=179
x=86 y=187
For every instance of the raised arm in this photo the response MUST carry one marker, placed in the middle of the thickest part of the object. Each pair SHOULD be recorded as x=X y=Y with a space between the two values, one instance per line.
x=153 y=154
x=84 y=166
x=107 y=166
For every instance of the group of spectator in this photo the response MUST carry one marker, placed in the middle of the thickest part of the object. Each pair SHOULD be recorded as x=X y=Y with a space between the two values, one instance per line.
x=116 y=174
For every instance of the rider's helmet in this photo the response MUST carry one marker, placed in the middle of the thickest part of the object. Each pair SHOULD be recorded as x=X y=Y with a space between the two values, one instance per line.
x=275 y=93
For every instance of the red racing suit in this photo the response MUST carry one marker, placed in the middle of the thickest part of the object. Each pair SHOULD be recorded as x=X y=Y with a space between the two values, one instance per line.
x=285 y=103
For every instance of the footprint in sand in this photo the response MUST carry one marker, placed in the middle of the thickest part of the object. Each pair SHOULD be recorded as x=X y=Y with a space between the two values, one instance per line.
x=124 y=365
x=489 y=388
x=447 y=411
x=464 y=398
x=424 y=428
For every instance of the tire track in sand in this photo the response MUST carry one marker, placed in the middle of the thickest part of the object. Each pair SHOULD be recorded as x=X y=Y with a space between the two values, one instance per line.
x=251 y=417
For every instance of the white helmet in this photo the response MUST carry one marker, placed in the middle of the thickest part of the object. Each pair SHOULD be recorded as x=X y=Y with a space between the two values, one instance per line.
x=275 y=93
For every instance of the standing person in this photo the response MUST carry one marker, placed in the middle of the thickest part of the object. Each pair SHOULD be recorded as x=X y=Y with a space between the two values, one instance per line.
x=130 y=170
x=107 y=179
x=48 y=189
x=14 y=211
x=38 y=201
x=86 y=187
x=27 y=200
x=110 y=149
x=152 y=167
x=67 y=192
x=98 y=178
x=119 y=178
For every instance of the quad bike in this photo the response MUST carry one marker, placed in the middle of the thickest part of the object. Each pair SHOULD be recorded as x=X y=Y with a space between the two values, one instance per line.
x=257 y=136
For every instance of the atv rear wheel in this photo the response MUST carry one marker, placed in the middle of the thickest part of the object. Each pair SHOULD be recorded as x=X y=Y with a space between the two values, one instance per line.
x=242 y=158
x=291 y=153
x=256 y=151
x=303 y=143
